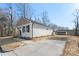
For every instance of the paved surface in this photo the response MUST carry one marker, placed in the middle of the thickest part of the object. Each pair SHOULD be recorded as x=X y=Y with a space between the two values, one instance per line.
x=40 y=48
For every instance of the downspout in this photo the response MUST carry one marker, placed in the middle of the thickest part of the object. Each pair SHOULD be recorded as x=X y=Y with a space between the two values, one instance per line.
x=32 y=31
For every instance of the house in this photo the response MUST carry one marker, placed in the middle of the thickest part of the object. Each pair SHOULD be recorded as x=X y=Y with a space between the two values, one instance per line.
x=29 y=28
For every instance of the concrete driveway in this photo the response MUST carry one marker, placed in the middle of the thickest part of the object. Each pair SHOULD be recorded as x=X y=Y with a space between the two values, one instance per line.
x=40 y=48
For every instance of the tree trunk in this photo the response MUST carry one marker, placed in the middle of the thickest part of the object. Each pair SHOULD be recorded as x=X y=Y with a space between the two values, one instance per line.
x=1 y=33
x=76 y=31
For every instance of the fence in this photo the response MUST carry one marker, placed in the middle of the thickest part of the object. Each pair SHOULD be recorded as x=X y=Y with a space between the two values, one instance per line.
x=66 y=32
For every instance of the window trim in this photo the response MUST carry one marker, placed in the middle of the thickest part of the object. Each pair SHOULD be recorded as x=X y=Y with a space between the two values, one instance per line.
x=23 y=29
x=28 y=29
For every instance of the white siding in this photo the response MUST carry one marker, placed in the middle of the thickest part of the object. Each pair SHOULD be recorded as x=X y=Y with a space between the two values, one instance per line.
x=37 y=32
x=26 y=34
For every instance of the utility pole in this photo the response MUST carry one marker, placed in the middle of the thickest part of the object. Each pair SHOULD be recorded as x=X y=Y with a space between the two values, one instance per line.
x=11 y=17
x=24 y=10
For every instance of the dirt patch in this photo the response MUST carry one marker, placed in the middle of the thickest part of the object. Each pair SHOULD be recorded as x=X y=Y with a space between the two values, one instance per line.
x=11 y=46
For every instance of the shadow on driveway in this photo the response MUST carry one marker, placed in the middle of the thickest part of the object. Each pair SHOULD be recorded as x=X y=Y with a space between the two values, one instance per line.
x=11 y=40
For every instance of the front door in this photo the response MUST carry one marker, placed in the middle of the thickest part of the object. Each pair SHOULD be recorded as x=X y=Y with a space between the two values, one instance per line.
x=20 y=33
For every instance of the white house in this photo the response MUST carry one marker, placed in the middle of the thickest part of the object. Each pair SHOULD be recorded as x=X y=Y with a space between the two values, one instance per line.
x=29 y=28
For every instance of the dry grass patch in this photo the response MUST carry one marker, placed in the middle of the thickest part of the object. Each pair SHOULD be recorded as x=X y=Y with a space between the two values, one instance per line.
x=12 y=46
x=71 y=47
x=10 y=43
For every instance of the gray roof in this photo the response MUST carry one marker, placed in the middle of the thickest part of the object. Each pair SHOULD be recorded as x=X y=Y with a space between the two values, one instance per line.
x=38 y=23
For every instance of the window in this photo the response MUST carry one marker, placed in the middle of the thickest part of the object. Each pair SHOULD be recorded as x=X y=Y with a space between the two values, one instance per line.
x=28 y=28
x=47 y=28
x=23 y=29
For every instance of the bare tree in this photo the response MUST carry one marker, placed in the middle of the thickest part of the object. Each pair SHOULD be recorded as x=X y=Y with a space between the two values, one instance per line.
x=76 y=21
x=10 y=22
x=3 y=24
x=11 y=14
x=44 y=17
x=37 y=19
x=25 y=10
x=29 y=11
x=53 y=26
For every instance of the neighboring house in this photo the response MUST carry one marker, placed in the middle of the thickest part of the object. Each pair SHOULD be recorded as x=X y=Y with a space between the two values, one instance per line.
x=29 y=28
